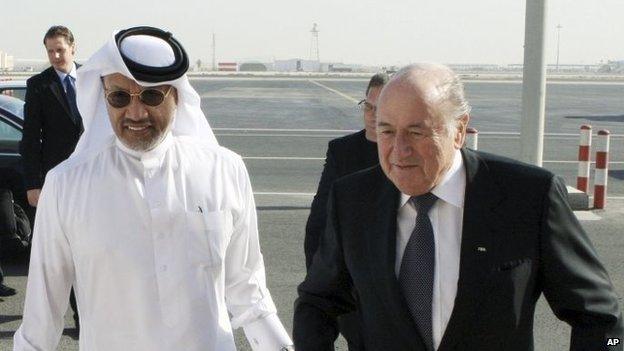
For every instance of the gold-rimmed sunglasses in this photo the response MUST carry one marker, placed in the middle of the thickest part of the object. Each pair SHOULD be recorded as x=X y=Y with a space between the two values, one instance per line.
x=150 y=97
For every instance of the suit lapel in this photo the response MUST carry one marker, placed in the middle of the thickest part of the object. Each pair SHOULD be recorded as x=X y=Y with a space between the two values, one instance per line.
x=382 y=250
x=57 y=89
x=479 y=227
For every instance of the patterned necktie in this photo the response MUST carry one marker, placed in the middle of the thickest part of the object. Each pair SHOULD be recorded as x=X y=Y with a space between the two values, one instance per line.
x=71 y=98
x=417 y=268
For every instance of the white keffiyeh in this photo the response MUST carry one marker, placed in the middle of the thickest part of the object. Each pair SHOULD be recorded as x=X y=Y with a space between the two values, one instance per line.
x=149 y=51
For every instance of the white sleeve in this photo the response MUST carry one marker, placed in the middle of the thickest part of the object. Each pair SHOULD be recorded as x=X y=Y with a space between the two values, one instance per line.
x=50 y=278
x=246 y=294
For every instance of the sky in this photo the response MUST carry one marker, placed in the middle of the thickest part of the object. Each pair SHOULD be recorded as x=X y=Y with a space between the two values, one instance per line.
x=378 y=33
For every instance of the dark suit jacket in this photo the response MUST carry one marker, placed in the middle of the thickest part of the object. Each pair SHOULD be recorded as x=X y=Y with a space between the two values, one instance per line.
x=345 y=155
x=533 y=245
x=50 y=130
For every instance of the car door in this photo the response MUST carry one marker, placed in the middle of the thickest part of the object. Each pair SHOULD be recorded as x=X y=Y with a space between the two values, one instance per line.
x=11 y=121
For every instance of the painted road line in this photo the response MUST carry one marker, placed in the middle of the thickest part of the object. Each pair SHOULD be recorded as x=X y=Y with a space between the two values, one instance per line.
x=283 y=194
x=271 y=193
x=610 y=162
x=280 y=135
x=518 y=81
x=290 y=130
x=281 y=158
x=486 y=137
x=586 y=216
x=346 y=131
x=335 y=135
x=466 y=78
x=334 y=91
x=322 y=158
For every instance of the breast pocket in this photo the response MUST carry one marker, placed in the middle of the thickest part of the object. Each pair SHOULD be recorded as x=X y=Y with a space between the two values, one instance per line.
x=208 y=235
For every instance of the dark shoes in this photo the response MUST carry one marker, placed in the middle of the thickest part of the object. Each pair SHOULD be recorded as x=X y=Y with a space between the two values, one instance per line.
x=77 y=324
x=6 y=291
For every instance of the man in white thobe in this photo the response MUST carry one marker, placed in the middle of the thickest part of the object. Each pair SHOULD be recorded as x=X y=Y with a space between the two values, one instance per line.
x=150 y=220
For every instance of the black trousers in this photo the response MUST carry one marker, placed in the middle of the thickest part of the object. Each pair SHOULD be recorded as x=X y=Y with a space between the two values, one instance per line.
x=74 y=305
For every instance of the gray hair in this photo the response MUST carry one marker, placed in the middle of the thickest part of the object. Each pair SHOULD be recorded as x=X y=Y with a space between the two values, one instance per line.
x=447 y=86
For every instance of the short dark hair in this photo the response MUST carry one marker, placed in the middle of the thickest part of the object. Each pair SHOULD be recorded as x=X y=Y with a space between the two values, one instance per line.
x=59 y=31
x=378 y=80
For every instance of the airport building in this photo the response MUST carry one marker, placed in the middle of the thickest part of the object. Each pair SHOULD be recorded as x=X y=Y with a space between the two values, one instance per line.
x=297 y=65
x=6 y=62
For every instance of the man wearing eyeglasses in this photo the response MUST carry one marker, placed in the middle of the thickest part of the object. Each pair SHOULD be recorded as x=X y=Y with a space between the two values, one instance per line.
x=449 y=248
x=52 y=123
x=345 y=155
x=150 y=219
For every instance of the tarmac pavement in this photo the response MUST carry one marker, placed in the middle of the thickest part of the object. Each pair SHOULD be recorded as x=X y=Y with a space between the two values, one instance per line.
x=281 y=127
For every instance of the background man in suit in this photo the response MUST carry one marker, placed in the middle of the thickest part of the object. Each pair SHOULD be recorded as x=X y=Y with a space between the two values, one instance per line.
x=52 y=123
x=345 y=155
x=447 y=248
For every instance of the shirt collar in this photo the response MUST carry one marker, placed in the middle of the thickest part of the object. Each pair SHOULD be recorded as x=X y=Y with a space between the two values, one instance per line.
x=452 y=187
x=150 y=158
x=71 y=73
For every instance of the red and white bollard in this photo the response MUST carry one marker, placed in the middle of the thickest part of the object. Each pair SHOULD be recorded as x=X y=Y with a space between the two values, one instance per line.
x=602 y=170
x=472 y=136
x=582 y=180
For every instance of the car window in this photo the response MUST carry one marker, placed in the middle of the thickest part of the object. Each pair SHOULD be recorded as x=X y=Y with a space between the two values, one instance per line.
x=19 y=93
x=8 y=132
x=12 y=104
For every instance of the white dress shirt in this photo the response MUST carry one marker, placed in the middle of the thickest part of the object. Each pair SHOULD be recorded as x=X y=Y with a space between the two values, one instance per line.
x=71 y=73
x=446 y=219
x=159 y=247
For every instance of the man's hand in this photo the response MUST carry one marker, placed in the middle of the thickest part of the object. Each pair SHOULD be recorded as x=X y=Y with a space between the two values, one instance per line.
x=33 y=196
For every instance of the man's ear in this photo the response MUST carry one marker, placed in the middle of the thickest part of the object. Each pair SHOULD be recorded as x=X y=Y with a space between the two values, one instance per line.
x=460 y=132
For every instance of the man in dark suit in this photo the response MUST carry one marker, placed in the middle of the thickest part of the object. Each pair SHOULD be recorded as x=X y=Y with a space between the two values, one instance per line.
x=448 y=248
x=52 y=123
x=345 y=155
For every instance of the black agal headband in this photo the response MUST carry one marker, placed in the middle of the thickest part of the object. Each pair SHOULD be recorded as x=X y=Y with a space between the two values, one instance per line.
x=154 y=74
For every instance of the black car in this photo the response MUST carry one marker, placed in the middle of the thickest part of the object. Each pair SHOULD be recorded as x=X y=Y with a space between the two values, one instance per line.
x=11 y=125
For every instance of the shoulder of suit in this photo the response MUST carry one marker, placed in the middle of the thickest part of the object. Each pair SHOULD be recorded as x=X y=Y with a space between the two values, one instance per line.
x=360 y=182
x=348 y=141
x=512 y=170
x=349 y=138
x=42 y=76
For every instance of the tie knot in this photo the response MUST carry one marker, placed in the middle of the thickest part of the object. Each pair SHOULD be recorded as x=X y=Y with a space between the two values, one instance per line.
x=424 y=202
x=68 y=82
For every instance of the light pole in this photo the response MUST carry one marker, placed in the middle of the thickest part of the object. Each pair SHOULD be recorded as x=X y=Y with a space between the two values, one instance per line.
x=558 y=37
x=533 y=83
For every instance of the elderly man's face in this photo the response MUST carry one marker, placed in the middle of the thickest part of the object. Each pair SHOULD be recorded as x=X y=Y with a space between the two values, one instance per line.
x=415 y=145
x=139 y=126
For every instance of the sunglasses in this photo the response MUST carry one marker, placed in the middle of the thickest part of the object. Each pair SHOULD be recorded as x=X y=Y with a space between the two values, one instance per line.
x=150 y=97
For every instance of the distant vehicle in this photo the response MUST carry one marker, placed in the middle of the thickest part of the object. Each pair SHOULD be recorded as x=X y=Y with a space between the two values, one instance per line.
x=11 y=122
x=339 y=68
x=11 y=126
x=15 y=88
